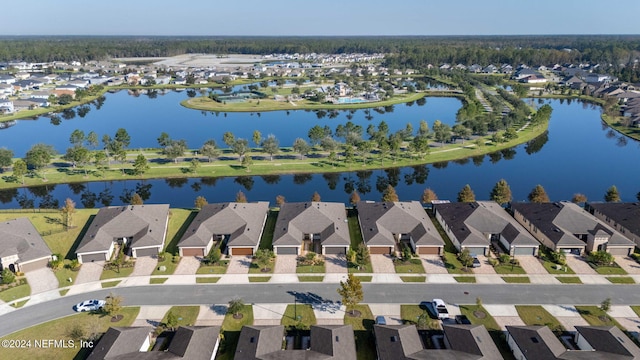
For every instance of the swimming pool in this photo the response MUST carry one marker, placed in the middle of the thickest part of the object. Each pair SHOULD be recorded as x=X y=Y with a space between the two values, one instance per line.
x=348 y=100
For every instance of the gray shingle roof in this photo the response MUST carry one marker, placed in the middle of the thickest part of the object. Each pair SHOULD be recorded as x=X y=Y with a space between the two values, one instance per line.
x=609 y=339
x=120 y=341
x=538 y=342
x=19 y=237
x=380 y=220
x=142 y=225
x=324 y=218
x=242 y=221
x=625 y=214
x=194 y=342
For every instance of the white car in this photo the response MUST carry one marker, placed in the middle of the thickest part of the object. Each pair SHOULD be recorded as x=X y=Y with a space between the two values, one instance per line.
x=89 y=305
x=440 y=308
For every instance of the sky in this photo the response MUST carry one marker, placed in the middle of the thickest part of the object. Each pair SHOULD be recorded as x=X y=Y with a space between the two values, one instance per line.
x=320 y=17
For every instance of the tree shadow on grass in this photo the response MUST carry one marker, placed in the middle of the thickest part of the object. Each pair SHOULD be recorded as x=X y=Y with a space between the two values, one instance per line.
x=72 y=250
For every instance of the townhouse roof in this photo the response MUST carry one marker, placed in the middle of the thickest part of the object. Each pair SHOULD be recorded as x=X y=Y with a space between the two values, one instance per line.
x=538 y=342
x=626 y=215
x=119 y=341
x=610 y=340
x=324 y=218
x=20 y=238
x=242 y=221
x=379 y=222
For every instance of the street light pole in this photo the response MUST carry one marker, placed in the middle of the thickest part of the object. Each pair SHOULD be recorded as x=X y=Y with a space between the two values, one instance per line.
x=295 y=308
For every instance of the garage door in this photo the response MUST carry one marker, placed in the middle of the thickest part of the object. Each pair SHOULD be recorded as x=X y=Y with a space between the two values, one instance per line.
x=379 y=250
x=192 y=252
x=334 y=250
x=34 y=265
x=619 y=251
x=241 y=251
x=147 y=252
x=476 y=250
x=93 y=257
x=429 y=250
x=524 y=251
x=286 y=250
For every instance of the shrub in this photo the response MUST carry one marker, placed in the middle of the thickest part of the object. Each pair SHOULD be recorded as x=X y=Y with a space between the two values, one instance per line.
x=493 y=262
x=600 y=258
x=8 y=276
x=504 y=258
x=558 y=257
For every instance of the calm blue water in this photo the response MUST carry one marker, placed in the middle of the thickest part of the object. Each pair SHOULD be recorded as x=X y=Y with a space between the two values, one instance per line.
x=578 y=154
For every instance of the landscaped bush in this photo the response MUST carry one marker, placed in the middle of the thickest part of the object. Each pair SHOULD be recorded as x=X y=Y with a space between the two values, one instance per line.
x=310 y=259
x=8 y=277
x=600 y=258
x=558 y=257
x=504 y=258
x=493 y=262
x=636 y=257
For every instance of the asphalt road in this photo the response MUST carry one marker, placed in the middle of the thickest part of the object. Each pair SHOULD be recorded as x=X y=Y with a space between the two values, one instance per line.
x=309 y=293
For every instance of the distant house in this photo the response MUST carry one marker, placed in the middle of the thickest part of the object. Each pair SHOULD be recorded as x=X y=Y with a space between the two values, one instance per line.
x=237 y=225
x=141 y=229
x=325 y=342
x=21 y=246
x=474 y=226
x=320 y=227
x=564 y=226
x=624 y=217
x=402 y=342
x=188 y=342
x=386 y=226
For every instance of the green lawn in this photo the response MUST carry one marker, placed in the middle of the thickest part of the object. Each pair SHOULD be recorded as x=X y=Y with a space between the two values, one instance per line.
x=490 y=324
x=231 y=332
x=179 y=221
x=596 y=317
x=269 y=226
x=363 y=332
x=159 y=280
x=64 y=292
x=186 y=315
x=551 y=268
x=19 y=304
x=465 y=279
x=516 y=279
x=610 y=270
x=255 y=269
x=353 y=268
x=310 y=278
x=413 y=266
x=354 y=228
x=636 y=309
x=310 y=269
x=299 y=314
x=109 y=284
x=253 y=279
x=569 y=279
x=16 y=292
x=414 y=279
x=537 y=315
x=113 y=274
x=620 y=279
x=221 y=268
x=506 y=269
x=207 y=279
x=64 y=274
x=60 y=329
x=168 y=263
x=454 y=266
x=410 y=313
x=365 y=278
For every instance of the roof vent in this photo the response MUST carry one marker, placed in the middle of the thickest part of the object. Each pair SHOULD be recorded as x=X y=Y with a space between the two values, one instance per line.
x=535 y=340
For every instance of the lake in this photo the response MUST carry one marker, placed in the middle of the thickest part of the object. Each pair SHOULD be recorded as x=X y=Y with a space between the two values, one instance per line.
x=578 y=154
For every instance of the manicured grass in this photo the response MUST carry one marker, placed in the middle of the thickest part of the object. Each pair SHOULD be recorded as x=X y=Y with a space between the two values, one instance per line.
x=19 y=304
x=551 y=268
x=186 y=315
x=506 y=269
x=255 y=269
x=269 y=226
x=253 y=279
x=113 y=274
x=353 y=269
x=621 y=280
x=616 y=123
x=179 y=221
x=60 y=329
x=16 y=292
x=231 y=332
x=159 y=280
x=310 y=269
x=363 y=332
x=168 y=263
x=516 y=279
x=63 y=275
x=221 y=268
x=596 y=317
x=312 y=278
x=569 y=279
x=365 y=278
x=354 y=228
x=64 y=292
x=304 y=313
x=537 y=315
x=415 y=279
x=465 y=279
x=413 y=266
x=109 y=284
x=207 y=279
x=410 y=313
x=636 y=309
x=610 y=270
x=453 y=265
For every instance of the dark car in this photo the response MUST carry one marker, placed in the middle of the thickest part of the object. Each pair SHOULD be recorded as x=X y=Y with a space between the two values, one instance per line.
x=462 y=319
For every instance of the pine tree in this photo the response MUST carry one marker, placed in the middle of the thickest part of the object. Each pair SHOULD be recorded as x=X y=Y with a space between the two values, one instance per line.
x=538 y=195
x=501 y=192
x=389 y=194
x=466 y=194
x=428 y=196
x=612 y=194
x=351 y=291
x=354 y=198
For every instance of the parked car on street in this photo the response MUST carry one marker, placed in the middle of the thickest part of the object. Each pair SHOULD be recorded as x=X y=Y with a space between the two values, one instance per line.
x=89 y=305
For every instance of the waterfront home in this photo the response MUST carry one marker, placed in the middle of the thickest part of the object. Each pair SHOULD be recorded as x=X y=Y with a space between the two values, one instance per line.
x=21 y=246
x=624 y=217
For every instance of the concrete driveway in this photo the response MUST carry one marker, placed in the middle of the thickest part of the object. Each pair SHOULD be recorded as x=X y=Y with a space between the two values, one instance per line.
x=504 y=315
x=150 y=315
x=41 y=280
x=285 y=264
x=144 y=266
x=484 y=268
x=335 y=264
x=239 y=265
x=531 y=265
x=567 y=316
x=628 y=264
x=391 y=312
x=579 y=266
x=211 y=315
x=90 y=272
x=329 y=313
x=433 y=264
x=268 y=314
x=382 y=264
x=188 y=266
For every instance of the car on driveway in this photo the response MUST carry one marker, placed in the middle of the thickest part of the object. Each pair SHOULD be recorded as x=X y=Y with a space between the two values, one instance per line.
x=380 y=320
x=89 y=305
x=440 y=309
x=476 y=262
x=462 y=319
